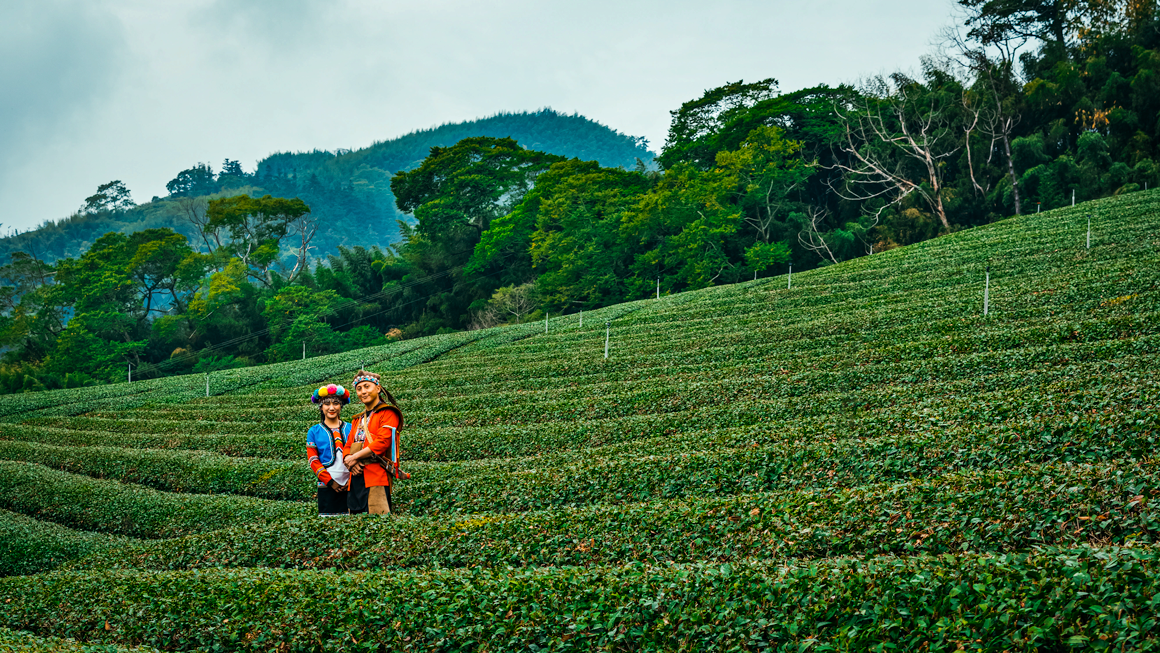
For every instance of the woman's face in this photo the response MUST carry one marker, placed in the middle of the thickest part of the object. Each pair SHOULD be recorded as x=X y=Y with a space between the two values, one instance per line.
x=367 y=392
x=331 y=408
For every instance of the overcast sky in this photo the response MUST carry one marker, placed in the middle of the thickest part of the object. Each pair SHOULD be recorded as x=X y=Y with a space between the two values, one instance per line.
x=136 y=90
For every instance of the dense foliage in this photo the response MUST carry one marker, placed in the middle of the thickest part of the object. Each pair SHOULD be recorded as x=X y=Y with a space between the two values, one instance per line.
x=1026 y=107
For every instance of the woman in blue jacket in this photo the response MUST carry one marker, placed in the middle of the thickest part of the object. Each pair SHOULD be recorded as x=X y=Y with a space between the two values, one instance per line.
x=326 y=445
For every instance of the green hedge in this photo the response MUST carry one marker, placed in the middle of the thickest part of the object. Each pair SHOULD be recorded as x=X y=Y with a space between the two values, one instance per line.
x=1097 y=598
x=13 y=641
x=994 y=511
x=530 y=485
x=941 y=362
x=29 y=545
x=175 y=471
x=123 y=509
x=284 y=446
x=710 y=462
x=836 y=452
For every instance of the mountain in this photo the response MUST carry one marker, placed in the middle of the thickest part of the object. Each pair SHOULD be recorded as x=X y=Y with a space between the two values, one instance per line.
x=348 y=190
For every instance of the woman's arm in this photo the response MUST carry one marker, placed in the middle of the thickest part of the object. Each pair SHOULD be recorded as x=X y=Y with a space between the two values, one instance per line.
x=315 y=463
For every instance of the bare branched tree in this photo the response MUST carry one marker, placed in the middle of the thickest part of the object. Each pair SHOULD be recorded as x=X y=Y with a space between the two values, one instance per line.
x=811 y=236
x=193 y=211
x=990 y=103
x=895 y=139
x=516 y=301
x=508 y=304
x=303 y=229
x=485 y=319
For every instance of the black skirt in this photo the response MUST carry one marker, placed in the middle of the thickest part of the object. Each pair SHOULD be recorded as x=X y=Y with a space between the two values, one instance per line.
x=357 y=494
x=331 y=502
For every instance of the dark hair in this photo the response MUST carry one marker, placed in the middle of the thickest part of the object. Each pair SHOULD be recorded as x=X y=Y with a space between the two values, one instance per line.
x=385 y=396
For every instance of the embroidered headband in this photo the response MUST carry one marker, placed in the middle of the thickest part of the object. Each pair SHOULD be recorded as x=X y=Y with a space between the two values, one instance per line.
x=364 y=375
x=331 y=392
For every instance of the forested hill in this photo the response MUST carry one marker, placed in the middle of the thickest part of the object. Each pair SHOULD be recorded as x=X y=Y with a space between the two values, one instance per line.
x=347 y=190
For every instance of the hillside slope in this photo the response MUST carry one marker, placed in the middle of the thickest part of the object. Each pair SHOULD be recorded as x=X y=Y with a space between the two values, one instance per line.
x=857 y=457
x=348 y=190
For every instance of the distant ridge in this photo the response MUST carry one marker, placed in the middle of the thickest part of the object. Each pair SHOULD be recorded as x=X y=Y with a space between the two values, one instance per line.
x=348 y=190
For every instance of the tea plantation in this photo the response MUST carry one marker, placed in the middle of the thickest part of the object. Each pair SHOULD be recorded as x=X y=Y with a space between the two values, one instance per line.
x=861 y=461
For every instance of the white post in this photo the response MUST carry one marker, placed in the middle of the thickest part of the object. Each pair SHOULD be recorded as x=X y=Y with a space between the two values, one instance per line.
x=1089 y=234
x=607 y=330
x=658 y=287
x=1038 y=205
x=987 y=292
x=871 y=249
x=207 y=384
x=303 y=350
x=130 y=372
x=1073 y=197
x=789 y=279
x=755 y=275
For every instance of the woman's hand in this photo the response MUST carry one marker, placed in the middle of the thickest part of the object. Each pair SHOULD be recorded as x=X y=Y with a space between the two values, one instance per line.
x=350 y=460
x=335 y=486
x=356 y=469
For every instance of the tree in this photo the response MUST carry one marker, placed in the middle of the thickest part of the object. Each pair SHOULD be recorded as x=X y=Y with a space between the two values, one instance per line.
x=96 y=344
x=110 y=196
x=696 y=127
x=896 y=138
x=193 y=211
x=994 y=21
x=466 y=186
x=165 y=267
x=765 y=170
x=198 y=180
x=303 y=227
x=687 y=227
x=579 y=246
x=256 y=226
x=30 y=318
x=994 y=102
x=507 y=304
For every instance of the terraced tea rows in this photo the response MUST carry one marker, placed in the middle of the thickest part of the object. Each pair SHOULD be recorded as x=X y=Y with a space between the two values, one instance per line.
x=863 y=458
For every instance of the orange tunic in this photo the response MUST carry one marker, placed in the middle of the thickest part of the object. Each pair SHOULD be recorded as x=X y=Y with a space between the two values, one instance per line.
x=383 y=422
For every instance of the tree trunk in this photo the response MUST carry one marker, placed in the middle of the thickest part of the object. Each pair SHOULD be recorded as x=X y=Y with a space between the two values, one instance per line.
x=1011 y=171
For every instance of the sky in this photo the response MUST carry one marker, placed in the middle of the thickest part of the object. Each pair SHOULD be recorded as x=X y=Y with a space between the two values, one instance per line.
x=94 y=90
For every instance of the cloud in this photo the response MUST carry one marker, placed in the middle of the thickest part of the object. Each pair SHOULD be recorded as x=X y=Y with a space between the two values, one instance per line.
x=57 y=60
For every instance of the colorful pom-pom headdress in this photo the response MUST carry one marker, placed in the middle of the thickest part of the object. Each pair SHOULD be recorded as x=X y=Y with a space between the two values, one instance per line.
x=327 y=391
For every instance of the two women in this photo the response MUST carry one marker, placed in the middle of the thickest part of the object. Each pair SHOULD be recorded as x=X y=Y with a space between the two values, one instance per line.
x=355 y=462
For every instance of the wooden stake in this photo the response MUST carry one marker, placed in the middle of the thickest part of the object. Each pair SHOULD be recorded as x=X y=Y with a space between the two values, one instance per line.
x=987 y=292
